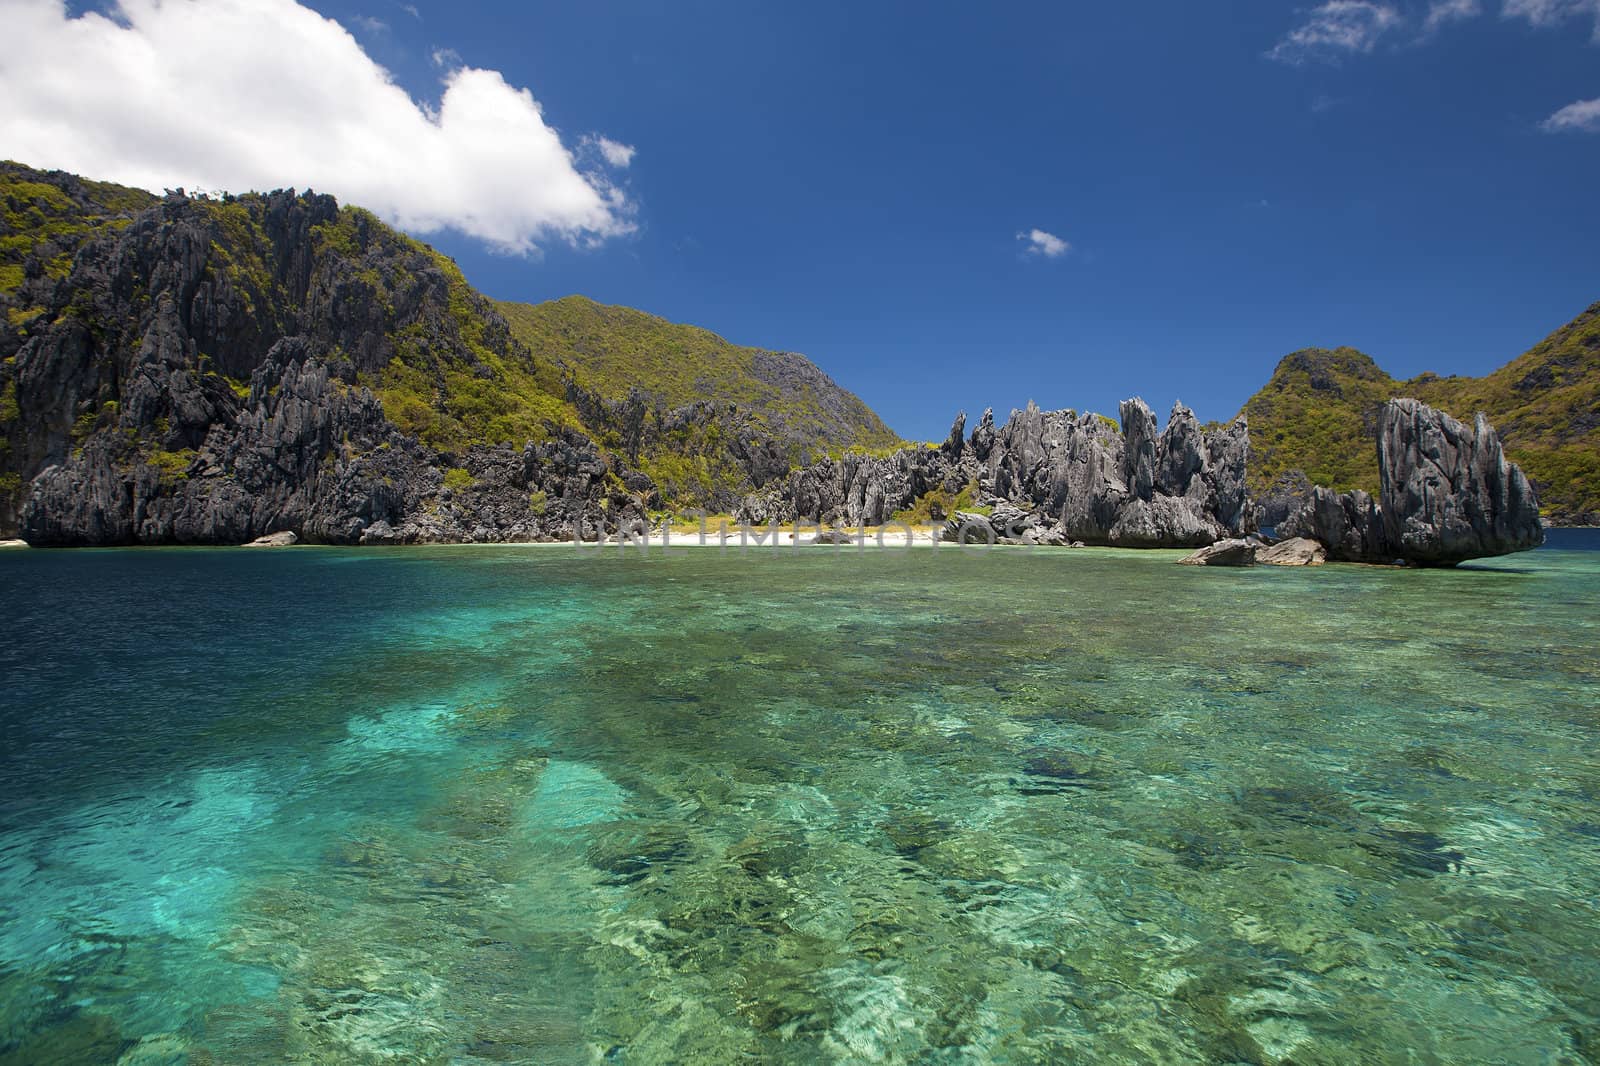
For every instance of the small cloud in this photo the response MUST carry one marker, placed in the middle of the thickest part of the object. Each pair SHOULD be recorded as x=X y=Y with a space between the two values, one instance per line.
x=1545 y=13
x=370 y=24
x=1580 y=117
x=1322 y=103
x=1336 y=29
x=1443 y=12
x=1046 y=244
x=411 y=9
x=616 y=153
x=448 y=58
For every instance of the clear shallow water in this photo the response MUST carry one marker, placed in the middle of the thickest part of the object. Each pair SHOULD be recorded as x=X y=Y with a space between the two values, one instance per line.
x=480 y=805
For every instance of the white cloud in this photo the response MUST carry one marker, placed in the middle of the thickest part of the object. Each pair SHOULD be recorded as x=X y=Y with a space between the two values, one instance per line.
x=370 y=23
x=1046 y=244
x=256 y=94
x=1544 y=13
x=1337 y=28
x=1581 y=117
x=1444 y=12
x=616 y=153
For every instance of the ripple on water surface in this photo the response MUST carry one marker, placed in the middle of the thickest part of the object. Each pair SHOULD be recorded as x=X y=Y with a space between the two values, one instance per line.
x=520 y=805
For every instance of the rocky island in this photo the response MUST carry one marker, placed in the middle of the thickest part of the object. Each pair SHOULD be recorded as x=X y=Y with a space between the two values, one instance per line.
x=191 y=370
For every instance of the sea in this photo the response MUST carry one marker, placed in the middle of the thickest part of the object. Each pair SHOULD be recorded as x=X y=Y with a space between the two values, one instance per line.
x=547 y=804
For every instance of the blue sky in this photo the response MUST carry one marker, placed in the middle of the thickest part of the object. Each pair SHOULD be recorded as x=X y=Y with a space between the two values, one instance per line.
x=1234 y=181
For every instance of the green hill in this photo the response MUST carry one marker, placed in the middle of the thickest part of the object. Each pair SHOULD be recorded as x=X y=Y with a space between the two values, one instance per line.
x=1318 y=414
x=613 y=351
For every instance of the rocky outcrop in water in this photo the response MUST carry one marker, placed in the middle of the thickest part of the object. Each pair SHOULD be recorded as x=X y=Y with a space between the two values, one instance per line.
x=1448 y=494
x=1048 y=477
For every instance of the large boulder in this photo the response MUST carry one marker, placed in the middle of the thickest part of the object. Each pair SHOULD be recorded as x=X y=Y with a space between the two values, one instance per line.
x=1233 y=552
x=965 y=527
x=1448 y=491
x=1296 y=551
x=283 y=539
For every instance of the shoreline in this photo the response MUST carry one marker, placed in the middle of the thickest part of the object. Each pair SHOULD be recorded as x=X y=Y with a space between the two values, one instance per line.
x=786 y=540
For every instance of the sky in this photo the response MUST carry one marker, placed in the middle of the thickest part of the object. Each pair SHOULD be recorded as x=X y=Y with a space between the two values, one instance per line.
x=946 y=206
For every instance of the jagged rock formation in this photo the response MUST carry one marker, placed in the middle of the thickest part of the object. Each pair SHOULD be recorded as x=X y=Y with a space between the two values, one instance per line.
x=1448 y=494
x=1347 y=524
x=193 y=370
x=308 y=454
x=704 y=454
x=1283 y=497
x=1448 y=491
x=1049 y=476
x=1318 y=414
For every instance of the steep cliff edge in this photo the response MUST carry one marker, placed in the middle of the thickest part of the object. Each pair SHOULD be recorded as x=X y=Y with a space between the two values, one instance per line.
x=199 y=370
x=135 y=327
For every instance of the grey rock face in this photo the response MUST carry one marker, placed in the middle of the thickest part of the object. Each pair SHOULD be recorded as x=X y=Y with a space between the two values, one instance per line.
x=1348 y=524
x=1284 y=497
x=1296 y=551
x=164 y=397
x=1448 y=494
x=1234 y=552
x=1448 y=491
x=1049 y=477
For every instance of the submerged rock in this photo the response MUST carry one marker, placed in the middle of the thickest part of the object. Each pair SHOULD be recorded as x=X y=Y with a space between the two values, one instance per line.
x=1296 y=551
x=1235 y=552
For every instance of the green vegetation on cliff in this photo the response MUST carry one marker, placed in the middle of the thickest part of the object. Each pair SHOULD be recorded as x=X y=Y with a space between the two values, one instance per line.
x=1318 y=415
x=613 y=350
x=193 y=293
x=47 y=221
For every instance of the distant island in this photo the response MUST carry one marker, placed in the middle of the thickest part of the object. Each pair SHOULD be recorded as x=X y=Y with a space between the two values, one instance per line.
x=203 y=370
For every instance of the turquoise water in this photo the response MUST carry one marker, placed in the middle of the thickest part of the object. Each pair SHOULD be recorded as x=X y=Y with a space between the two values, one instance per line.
x=486 y=805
